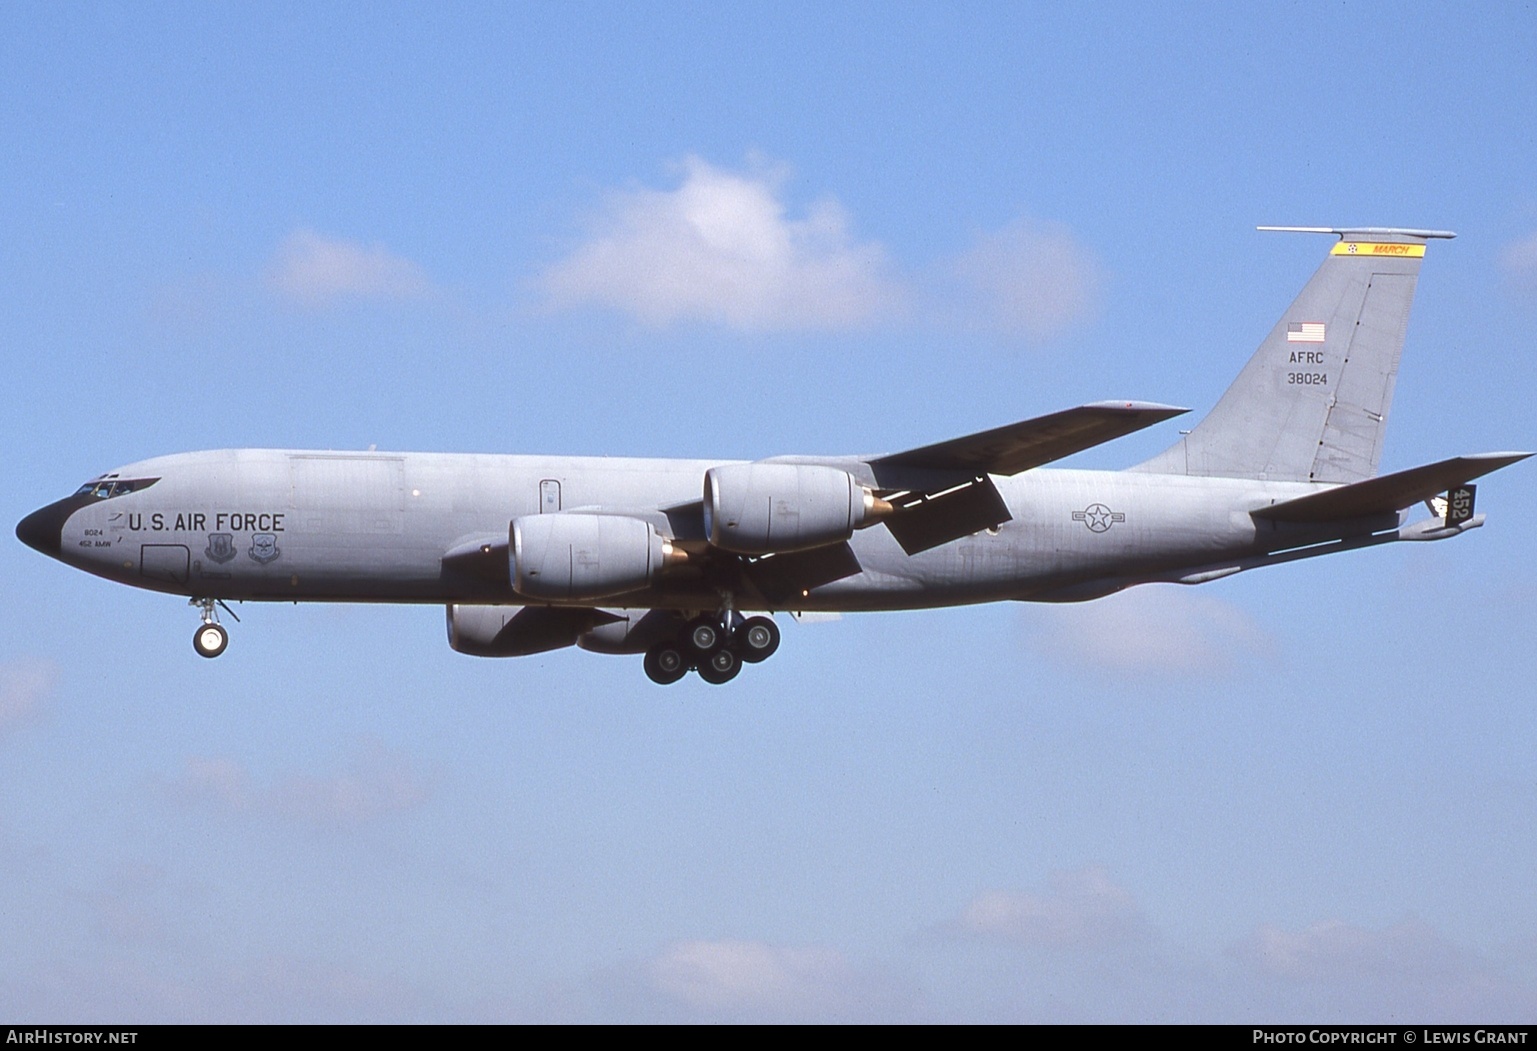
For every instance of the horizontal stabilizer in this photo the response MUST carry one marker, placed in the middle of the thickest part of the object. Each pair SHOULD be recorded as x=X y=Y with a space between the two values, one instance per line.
x=1389 y=493
x=1020 y=446
x=1358 y=233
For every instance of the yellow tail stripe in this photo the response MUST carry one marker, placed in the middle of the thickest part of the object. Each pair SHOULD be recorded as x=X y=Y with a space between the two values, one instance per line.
x=1371 y=248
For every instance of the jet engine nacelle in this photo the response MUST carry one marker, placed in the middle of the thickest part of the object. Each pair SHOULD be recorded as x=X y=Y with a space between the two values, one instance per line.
x=580 y=557
x=773 y=508
x=632 y=630
x=515 y=631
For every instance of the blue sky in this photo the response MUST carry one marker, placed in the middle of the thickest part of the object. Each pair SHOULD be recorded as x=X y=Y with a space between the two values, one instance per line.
x=742 y=231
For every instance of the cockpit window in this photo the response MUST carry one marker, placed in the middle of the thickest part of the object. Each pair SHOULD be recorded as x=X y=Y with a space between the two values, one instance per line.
x=105 y=488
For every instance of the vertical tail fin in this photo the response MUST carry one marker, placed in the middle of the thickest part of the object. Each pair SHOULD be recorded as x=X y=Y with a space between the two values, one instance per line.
x=1312 y=404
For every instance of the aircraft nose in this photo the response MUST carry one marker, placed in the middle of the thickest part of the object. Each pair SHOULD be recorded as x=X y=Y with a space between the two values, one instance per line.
x=43 y=529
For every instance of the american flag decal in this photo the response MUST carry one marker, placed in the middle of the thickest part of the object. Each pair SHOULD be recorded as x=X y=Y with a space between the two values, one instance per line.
x=1304 y=332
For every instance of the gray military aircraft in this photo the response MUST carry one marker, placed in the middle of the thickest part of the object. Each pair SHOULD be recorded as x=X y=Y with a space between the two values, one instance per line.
x=687 y=560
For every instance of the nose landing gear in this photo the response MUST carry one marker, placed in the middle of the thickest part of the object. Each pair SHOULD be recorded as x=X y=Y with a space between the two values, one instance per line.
x=210 y=639
x=715 y=647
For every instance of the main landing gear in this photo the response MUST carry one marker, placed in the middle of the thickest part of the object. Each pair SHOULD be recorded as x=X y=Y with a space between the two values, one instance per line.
x=210 y=639
x=715 y=647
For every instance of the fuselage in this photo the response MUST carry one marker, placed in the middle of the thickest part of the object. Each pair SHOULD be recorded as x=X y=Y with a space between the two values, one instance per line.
x=285 y=525
x=668 y=557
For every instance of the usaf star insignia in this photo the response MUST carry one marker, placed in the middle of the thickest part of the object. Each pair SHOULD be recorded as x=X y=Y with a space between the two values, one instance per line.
x=1098 y=517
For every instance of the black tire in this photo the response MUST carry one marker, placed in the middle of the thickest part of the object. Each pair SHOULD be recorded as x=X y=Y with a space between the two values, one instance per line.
x=665 y=663
x=703 y=636
x=757 y=639
x=720 y=667
x=210 y=640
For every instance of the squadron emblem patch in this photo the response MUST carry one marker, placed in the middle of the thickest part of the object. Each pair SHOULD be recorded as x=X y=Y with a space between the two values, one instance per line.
x=221 y=547
x=264 y=548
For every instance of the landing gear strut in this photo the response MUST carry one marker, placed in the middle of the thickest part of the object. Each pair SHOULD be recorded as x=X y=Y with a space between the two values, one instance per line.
x=210 y=639
x=716 y=647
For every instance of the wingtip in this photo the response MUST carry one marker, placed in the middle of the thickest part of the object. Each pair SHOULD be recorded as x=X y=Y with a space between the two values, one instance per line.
x=1506 y=457
x=1138 y=406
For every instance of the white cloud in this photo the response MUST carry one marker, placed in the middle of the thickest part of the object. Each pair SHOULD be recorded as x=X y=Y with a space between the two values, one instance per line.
x=129 y=908
x=732 y=975
x=1150 y=629
x=1079 y=910
x=1519 y=261
x=728 y=980
x=218 y=780
x=24 y=688
x=1334 y=969
x=722 y=248
x=1332 y=950
x=187 y=987
x=1027 y=279
x=316 y=271
x=375 y=782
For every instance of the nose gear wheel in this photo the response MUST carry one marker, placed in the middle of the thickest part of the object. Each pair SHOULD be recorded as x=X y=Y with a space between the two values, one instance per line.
x=210 y=640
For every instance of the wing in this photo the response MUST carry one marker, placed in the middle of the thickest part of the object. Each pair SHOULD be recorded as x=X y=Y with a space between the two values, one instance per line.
x=1030 y=443
x=943 y=492
x=932 y=495
x=1389 y=493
